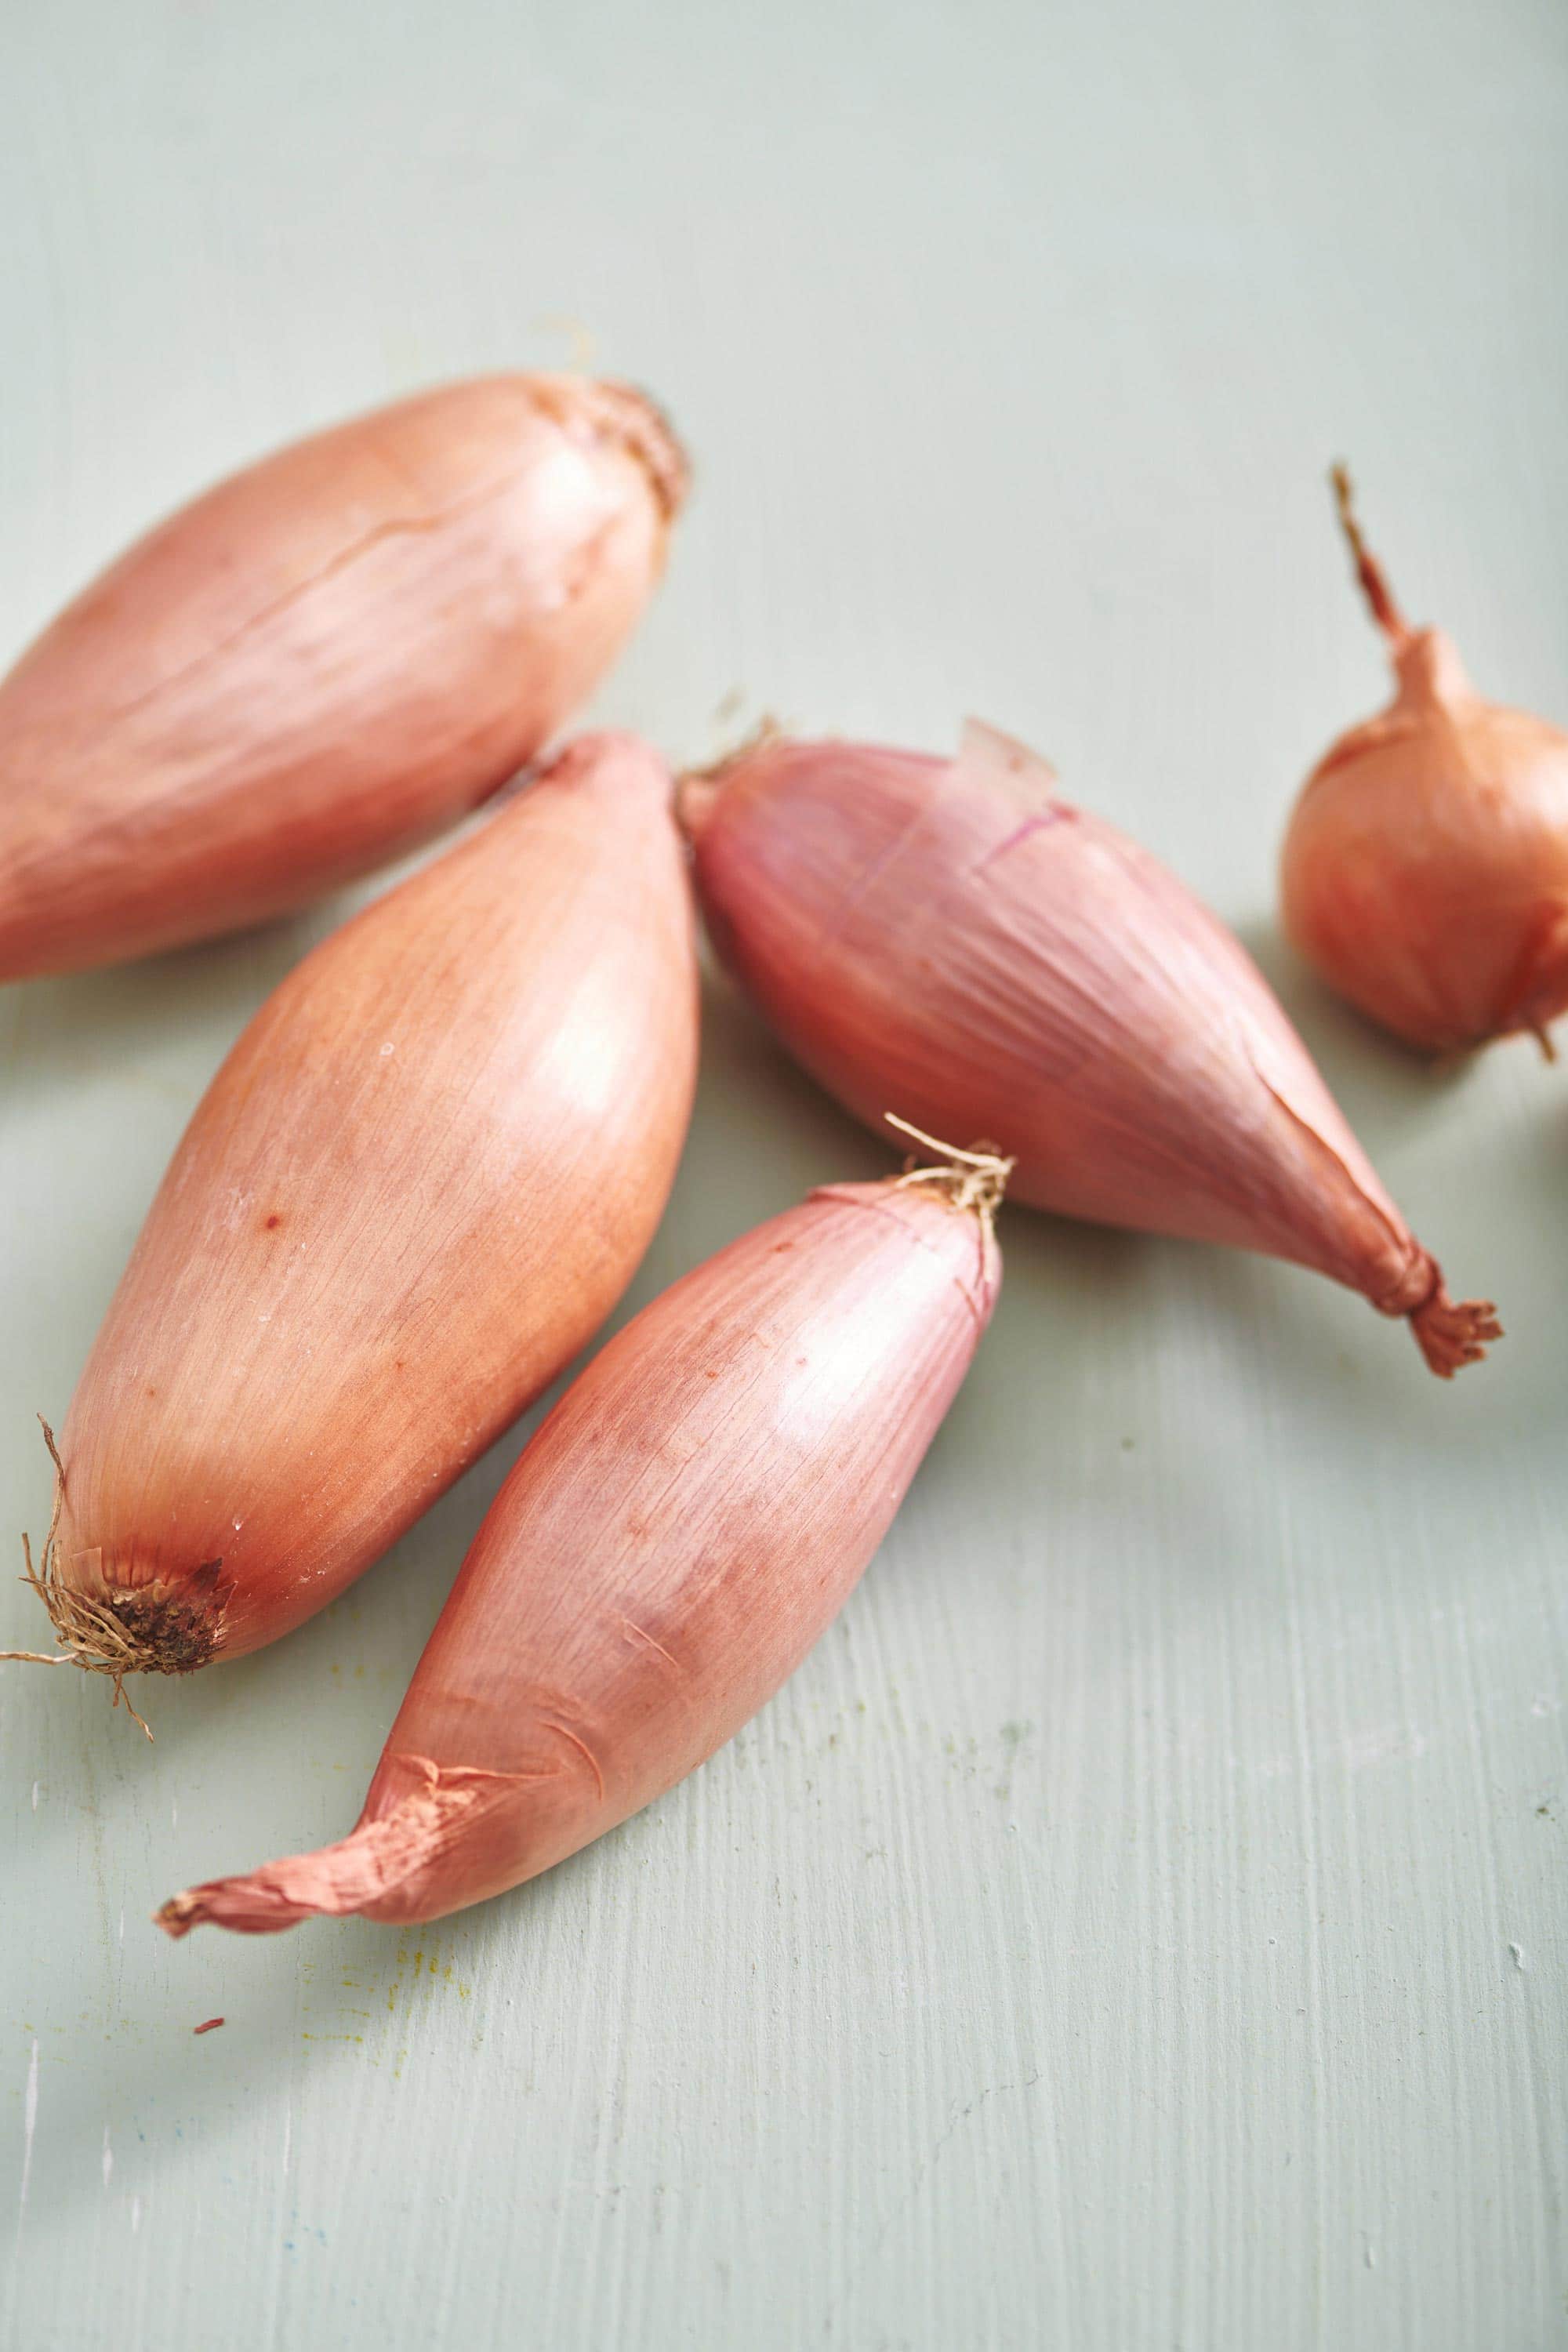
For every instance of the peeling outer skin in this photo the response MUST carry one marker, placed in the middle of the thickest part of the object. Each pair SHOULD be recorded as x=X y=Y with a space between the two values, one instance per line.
x=667 y=1548
x=376 y=1870
x=322 y=662
x=953 y=938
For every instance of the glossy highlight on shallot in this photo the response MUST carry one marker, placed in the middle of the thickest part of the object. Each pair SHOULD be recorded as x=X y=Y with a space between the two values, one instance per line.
x=1424 y=872
x=954 y=937
x=671 y=1542
x=322 y=662
x=415 y=1188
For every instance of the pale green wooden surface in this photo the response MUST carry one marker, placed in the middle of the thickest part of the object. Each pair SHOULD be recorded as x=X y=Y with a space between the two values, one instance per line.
x=1143 y=1923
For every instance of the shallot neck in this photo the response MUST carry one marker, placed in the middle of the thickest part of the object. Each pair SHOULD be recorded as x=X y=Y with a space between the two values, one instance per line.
x=1428 y=669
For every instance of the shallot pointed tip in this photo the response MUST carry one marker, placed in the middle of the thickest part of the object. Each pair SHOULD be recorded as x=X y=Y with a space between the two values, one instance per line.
x=695 y=794
x=1451 y=1335
x=179 y=1915
x=974 y=1179
x=698 y=789
x=652 y=440
x=380 y=1862
x=250 y=1906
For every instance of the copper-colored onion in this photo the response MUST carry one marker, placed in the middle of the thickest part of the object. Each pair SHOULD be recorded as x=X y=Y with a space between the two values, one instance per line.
x=953 y=937
x=419 y=1182
x=321 y=662
x=1426 y=866
x=667 y=1548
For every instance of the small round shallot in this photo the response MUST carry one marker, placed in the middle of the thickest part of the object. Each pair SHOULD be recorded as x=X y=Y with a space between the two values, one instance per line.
x=1426 y=869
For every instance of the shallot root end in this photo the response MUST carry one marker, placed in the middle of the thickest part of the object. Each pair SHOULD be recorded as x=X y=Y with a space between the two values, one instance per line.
x=1451 y=1335
x=142 y=1629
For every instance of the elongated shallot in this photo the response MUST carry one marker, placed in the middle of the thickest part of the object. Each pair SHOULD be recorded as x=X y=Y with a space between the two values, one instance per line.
x=418 y=1185
x=954 y=937
x=322 y=662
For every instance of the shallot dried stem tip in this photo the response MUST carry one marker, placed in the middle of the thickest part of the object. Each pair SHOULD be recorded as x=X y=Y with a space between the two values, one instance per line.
x=1369 y=571
x=697 y=789
x=89 y=1634
x=974 y=1180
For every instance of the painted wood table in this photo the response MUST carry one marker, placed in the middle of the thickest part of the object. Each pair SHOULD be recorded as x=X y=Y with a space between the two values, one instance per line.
x=1142 y=1922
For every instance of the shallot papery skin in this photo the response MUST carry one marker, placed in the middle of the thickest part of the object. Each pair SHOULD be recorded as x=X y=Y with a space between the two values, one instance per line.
x=322 y=662
x=685 y=1524
x=414 y=1189
x=953 y=937
x=1424 y=872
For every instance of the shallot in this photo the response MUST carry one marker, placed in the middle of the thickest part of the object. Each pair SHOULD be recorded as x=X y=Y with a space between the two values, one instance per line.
x=667 y=1548
x=416 y=1186
x=954 y=937
x=322 y=662
x=1425 y=867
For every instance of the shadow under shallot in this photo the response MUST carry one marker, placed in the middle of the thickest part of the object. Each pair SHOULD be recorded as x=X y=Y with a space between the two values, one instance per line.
x=306 y=2014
